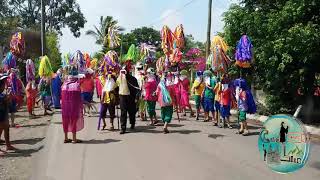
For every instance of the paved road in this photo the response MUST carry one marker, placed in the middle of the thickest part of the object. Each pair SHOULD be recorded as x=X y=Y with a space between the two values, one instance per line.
x=192 y=151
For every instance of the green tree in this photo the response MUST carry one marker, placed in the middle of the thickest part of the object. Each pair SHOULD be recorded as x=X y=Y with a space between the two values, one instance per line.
x=59 y=14
x=101 y=32
x=286 y=39
x=53 y=52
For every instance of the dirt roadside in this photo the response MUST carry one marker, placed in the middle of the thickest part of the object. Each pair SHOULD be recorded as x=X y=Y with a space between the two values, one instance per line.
x=29 y=139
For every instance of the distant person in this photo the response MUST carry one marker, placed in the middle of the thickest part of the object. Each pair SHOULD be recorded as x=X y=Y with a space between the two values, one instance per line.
x=4 y=116
x=197 y=89
x=150 y=87
x=56 y=89
x=165 y=102
x=109 y=101
x=283 y=133
x=31 y=91
x=87 y=90
x=72 y=107
x=185 y=93
x=45 y=93
x=128 y=90
x=208 y=95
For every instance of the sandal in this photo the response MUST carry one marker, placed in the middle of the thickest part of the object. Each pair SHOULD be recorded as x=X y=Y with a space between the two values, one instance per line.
x=165 y=131
x=67 y=141
x=245 y=133
x=111 y=128
x=229 y=126
x=156 y=122
x=104 y=127
x=239 y=132
x=76 y=141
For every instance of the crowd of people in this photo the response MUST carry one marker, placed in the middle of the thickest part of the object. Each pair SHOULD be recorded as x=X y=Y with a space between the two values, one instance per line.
x=136 y=90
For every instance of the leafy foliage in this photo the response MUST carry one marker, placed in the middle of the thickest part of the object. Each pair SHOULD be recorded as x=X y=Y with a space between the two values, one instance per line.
x=59 y=14
x=53 y=51
x=286 y=39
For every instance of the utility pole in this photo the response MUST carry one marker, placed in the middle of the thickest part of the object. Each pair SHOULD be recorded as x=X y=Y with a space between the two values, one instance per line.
x=43 y=29
x=209 y=29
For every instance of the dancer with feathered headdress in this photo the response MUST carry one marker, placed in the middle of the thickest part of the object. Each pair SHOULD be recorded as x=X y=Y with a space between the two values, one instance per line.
x=72 y=106
x=165 y=102
x=46 y=73
x=31 y=88
x=17 y=44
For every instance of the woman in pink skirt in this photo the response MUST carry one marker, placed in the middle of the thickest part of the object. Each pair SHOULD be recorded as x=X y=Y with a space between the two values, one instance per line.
x=184 y=90
x=72 y=107
x=177 y=92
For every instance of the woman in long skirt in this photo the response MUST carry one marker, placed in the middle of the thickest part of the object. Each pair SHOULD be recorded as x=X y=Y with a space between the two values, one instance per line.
x=72 y=108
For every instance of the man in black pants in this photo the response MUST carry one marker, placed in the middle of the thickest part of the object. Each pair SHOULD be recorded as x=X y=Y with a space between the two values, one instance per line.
x=128 y=89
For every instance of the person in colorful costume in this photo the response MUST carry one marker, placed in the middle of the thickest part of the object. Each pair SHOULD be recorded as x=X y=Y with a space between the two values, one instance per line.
x=197 y=89
x=177 y=92
x=31 y=88
x=109 y=100
x=4 y=115
x=208 y=95
x=225 y=102
x=140 y=76
x=72 y=107
x=185 y=88
x=45 y=94
x=246 y=104
x=171 y=88
x=165 y=102
x=87 y=89
x=150 y=87
x=128 y=90
x=56 y=89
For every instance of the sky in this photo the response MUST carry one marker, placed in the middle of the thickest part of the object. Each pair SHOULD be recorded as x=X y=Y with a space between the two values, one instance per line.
x=133 y=14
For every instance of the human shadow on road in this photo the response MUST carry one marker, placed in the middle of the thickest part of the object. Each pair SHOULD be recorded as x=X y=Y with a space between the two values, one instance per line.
x=185 y=131
x=32 y=141
x=34 y=125
x=216 y=136
x=254 y=127
x=96 y=141
x=23 y=152
x=253 y=134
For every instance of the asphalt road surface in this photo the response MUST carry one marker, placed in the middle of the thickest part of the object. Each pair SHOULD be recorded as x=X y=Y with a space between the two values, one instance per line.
x=192 y=151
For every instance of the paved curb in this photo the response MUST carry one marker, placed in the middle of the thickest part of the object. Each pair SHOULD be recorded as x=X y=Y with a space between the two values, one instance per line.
x=310 y=129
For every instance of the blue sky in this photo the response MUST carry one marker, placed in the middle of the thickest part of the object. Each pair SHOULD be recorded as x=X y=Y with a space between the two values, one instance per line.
x=137 y=13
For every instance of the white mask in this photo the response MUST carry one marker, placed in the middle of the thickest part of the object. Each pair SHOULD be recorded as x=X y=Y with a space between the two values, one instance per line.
x=207 y=80
x=225 y=87
x=176 y=80
x=183 y=77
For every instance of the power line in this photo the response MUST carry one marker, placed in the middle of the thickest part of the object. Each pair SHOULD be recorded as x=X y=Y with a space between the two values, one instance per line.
x=174 y=12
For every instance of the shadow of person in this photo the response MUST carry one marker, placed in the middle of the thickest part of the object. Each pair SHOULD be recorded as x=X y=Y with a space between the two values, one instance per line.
x=34 y=125
x=185 y=131
x=32 y=141
x=216 y=136
x=23 y=152
x=315 y=165
x=253 y=134
x=96 y=141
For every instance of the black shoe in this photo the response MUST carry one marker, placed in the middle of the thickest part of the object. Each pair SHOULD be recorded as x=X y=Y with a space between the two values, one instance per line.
x=122 y=132
x=132 y=127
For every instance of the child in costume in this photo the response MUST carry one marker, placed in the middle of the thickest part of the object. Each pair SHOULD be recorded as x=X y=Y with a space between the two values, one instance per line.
x=150 y=87
x=171 y=88
x=45 y=93
x=197 y=89
x=177 y=92
x=98 y=85
x=225 y=103
x=217 y=100
x=208 y=95
x=72 y=107
x=139 y=75
x=56 y=89
x=31 y=91
x=87 y=89
x=246 y=104
x=108 y=100
x=185 y=88
x=165 y=101
x=4 y=115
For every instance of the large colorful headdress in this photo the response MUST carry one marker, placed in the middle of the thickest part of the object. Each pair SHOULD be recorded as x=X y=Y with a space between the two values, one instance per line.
x=219 y=61
x=113 y=39
x=45 y=68
x=65 y=61
x=218 y=41
x=30 y=70
x=147 y=52
x=132 y=54
x=160 y=65
x=167 y=40
x=244 y=52
x=10 y=61
x=78 y=60
x=94 y=63
x=110 y=63
x=179 y=41
x=17 y=44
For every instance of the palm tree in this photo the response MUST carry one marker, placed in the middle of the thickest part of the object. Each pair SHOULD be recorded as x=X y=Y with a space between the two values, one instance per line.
x=100 y=33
